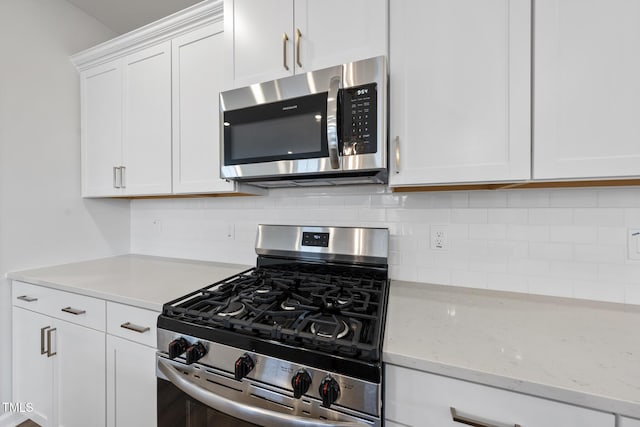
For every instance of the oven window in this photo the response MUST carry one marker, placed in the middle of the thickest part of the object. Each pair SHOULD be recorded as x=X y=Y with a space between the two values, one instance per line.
x=285 y=130
x=177 y=409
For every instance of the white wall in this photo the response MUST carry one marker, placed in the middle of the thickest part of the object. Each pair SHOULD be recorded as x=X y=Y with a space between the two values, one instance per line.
x=43 y=220
x=568 y=242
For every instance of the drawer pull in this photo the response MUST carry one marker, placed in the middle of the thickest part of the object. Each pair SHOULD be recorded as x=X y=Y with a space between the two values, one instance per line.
x=27 y=298
x=475 y=422
x=135 y=328
x=73 y=311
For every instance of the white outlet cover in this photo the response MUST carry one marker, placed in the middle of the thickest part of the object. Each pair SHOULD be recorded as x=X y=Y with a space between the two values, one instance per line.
x=633 y=244
x=439 y=237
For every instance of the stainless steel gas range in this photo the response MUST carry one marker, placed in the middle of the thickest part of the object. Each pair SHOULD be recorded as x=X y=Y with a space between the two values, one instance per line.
x=295 y=341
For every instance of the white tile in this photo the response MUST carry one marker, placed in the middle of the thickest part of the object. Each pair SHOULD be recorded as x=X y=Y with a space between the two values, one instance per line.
x=487 y=199
x=469 y=216
x=369 y=214
x=508 y=250
x=573 y=198
x=527 y=198
x=487 y=263
x=550 y=216
x=625 y=273
x=469 y=279
x=508 y=216
x=531 y=233
x=573 y=270
x=619 y=197
x=550 y=286
x=632 y=294
x=551 y=251
x=436 y=276
x=507 y=282
x=601 y=253
x=631 y=218
x=593 y=290
x=487 y=231
x=573 y=233
x=598 y=216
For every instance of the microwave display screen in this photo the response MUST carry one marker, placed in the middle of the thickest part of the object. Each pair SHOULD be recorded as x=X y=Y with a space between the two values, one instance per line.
x=286 y=130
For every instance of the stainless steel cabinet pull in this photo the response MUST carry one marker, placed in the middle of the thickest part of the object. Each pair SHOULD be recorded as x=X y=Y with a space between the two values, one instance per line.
x=397 y=140
x=73 y=311
x=115 y=179
x=467 y=420
x=123 y=182
x=285 y=39
x=135 y=328
x=27 y=298
x=298 y=37
x=49 y=352
x=42 y=349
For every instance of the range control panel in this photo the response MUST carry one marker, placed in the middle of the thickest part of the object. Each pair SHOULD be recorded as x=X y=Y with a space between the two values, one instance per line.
x=315 y=239
x=359 y=120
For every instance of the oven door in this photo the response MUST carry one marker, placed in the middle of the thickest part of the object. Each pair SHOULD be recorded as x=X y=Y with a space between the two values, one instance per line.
x=199 y=396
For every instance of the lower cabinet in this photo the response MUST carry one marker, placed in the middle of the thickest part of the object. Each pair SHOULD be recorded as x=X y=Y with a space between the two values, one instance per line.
x=628 y=422
x=81 y=361
x=416 y=398
x=59 y=368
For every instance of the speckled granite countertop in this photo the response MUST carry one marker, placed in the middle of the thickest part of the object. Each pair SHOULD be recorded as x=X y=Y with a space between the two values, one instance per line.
x=576 y=351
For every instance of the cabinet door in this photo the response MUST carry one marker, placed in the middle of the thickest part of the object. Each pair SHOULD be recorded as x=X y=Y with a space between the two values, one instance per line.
x=147 y=121
x=79 y=375
x=197 y=82
x=32 y=371
x=130 y=375
x=415 y=398
x=586 y=88
x=101 y=124
x=334 y=32
x=460 y=91
x=629 y=422
x=255 y=34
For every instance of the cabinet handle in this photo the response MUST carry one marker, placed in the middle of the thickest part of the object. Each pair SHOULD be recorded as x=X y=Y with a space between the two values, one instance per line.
x=27 y=298
x=397 y=142
x=123 y=176
x=474 y=422
x=74 y=311
x=285 y=39
x=135 y=328
x=115 y=177
x=49 y=352
x=298 y=37
x=42 y=349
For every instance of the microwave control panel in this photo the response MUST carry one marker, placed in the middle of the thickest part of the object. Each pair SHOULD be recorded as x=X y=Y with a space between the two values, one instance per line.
x=359 y=120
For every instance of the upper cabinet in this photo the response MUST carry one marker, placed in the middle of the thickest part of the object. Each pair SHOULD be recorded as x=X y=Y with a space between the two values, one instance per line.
x=586 y=92
x=460 y=85
x=271 y=39
x=149 y=109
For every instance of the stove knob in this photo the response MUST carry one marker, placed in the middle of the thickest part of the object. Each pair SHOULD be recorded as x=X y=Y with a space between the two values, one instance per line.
x=194 y=352
x=177 y=347
x=300 y=383
x=244 y=365
x=329 y=391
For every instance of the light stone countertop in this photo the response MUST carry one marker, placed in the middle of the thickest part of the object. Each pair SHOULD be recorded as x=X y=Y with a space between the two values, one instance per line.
x=581 y=352
x=138 y=280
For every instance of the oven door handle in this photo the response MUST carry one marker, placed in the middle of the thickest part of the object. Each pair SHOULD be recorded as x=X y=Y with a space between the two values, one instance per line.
x=252 y=414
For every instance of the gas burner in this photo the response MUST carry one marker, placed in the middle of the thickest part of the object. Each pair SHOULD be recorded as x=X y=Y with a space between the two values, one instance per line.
x=233 y=309
x=263 y=289
x=289 y=304
x=326 y=326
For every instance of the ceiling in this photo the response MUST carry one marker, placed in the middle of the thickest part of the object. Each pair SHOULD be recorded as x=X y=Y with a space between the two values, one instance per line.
x=122 y=16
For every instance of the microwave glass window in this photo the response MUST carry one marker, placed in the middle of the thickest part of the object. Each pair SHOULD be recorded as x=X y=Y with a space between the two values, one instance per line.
x=280 y=137
x=286 y=130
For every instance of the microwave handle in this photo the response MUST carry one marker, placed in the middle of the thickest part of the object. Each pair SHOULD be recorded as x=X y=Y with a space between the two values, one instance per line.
x=332 y=122
x=251 y=414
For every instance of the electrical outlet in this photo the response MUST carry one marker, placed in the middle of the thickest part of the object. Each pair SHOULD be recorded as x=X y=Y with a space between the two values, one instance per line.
x=231 y=231
x=439 y=237
x=157 y=226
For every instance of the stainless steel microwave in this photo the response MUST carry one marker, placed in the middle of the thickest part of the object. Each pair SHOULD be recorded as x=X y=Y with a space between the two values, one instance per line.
x=323 y=127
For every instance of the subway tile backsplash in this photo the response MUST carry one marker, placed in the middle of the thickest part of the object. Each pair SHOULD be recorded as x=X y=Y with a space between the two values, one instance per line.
x=561 y=242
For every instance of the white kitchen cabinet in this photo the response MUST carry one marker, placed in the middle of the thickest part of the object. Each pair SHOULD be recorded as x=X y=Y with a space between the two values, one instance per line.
x=416 y=398
x=146 y=144
x=586 y=89
x=460 y=91
x=197 y=80
x=271 y=39
x=58 y=364
x=131 y=384
x=101 y=124
x=126 y=125
x=628 y=422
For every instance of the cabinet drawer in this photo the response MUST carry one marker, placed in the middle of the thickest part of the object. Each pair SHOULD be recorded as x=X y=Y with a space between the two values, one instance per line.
x=79 y=309
x=133 y=323
x=416 y=398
